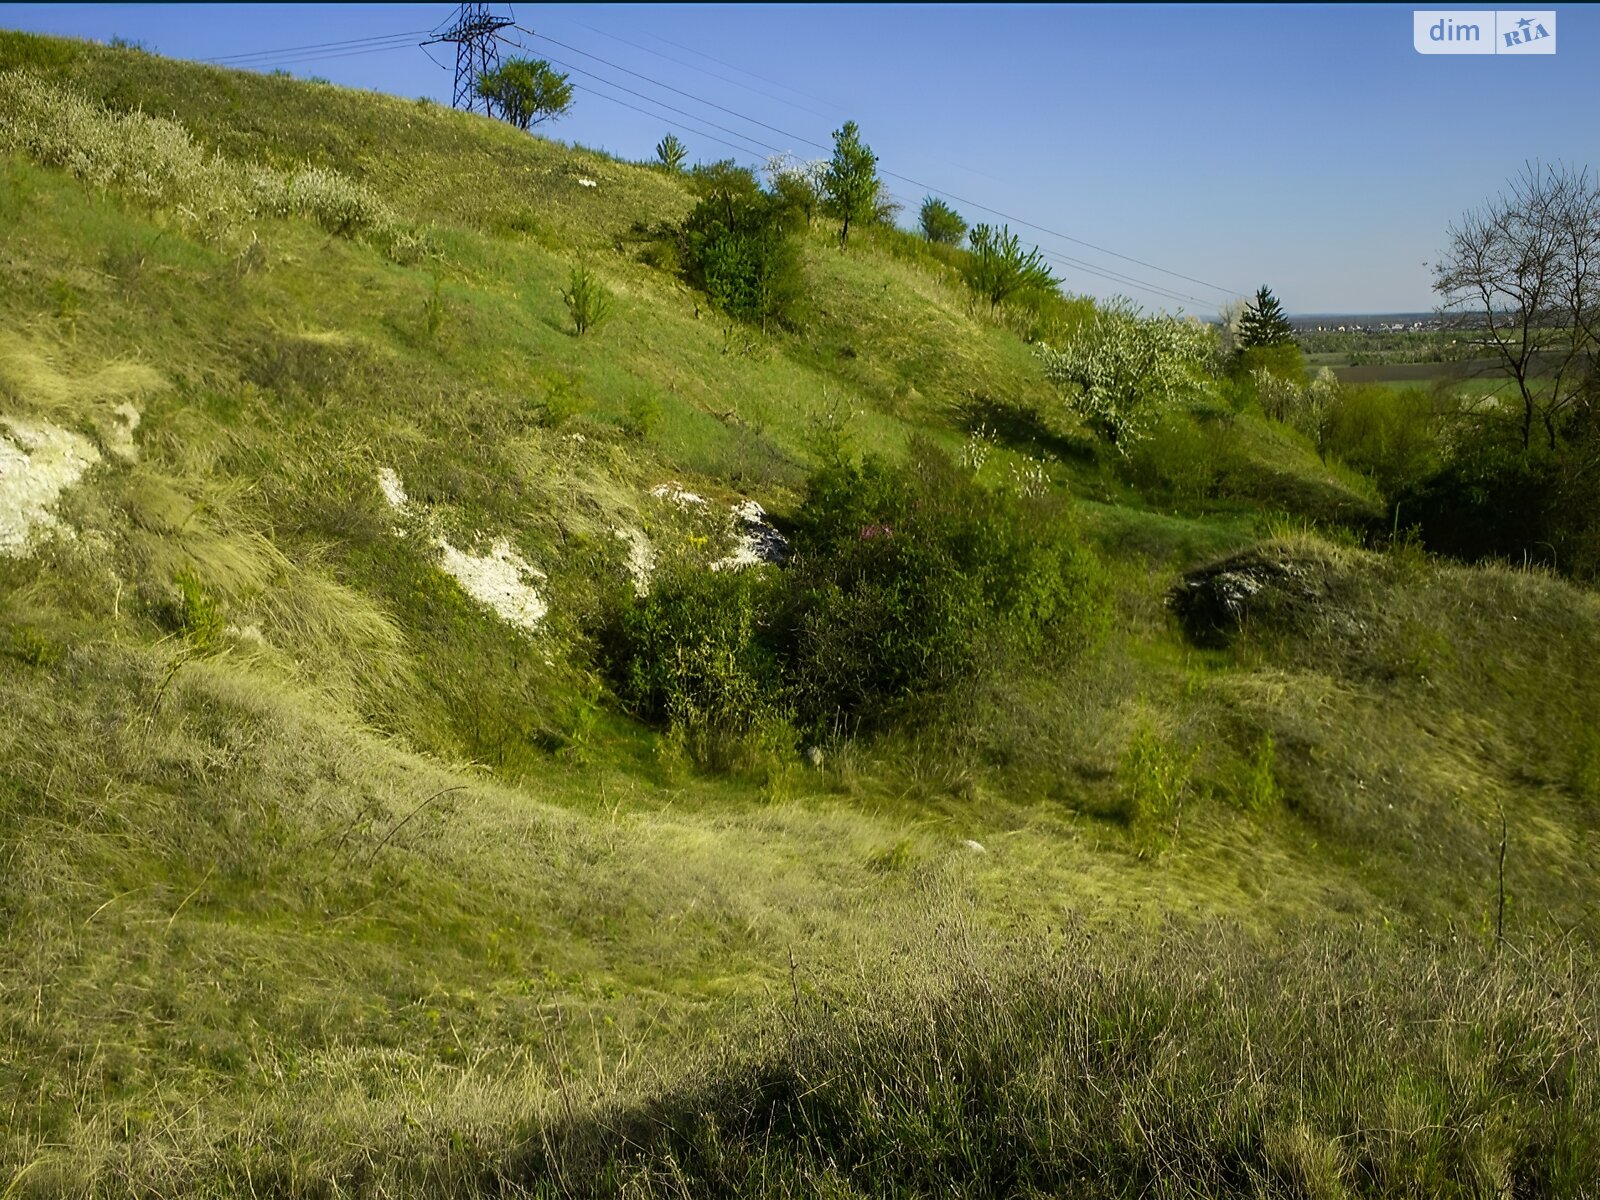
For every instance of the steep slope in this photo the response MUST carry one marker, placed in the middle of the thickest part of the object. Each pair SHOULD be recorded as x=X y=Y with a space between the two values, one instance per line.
x=332 y=865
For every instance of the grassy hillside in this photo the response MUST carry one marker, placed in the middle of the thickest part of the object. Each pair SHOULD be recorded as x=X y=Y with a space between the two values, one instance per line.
x=335 y=864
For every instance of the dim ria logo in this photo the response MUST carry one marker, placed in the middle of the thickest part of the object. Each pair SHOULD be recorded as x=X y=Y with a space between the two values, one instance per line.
x=1475 y=31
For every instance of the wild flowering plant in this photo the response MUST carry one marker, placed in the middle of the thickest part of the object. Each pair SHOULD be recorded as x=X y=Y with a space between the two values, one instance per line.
x=1121 y=368
x=980 y=445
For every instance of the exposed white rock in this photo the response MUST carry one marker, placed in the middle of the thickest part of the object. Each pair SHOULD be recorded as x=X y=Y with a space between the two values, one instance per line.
x=501 y=580
x=973 y=847
x=641 y=561
x=38 y=461
x=677 y=494
x=119 y=437
x=393 y=490
x=758 y=541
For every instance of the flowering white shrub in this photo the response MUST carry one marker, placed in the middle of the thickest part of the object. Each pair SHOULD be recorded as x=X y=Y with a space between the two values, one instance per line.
x=339 y=205
x=1313 y=408
x=786 y=165
x=147 y=159
x=1121 y=368
x=155 y=162
x=1277 y=395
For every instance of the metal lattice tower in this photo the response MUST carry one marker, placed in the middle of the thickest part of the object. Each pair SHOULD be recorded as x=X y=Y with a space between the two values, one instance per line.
x=477 y=52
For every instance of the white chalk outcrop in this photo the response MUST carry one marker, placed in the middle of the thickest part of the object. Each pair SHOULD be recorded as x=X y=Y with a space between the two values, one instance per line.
x=758 y=542
x=501 y=580
x=38 y=461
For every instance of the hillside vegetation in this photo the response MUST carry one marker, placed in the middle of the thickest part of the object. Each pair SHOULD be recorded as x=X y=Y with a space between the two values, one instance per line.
x=412 y=784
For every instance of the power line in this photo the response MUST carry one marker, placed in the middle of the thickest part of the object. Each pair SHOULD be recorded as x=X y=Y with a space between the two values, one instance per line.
x=383 y=37
x=651 y=99
x=667 y=121
x=1126 y=282
x=274 y=63
x=891 y=174
x=735 y=83
x=670 y=88
x=725 y=79
x=1067 y=237
x=742 y=71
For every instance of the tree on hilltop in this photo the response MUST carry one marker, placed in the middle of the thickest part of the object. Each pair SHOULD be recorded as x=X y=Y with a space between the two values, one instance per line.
x=527 y=91
x=941 y=223
x=850 y=184
x=671 y=152
x=999 y=270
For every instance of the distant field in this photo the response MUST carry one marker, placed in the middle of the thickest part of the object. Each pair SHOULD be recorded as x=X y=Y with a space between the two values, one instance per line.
x=1419 y=372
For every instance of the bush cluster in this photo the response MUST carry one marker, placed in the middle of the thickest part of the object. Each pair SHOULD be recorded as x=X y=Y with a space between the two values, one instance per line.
x=910 y=579
x=907 y=580
x=737 y=246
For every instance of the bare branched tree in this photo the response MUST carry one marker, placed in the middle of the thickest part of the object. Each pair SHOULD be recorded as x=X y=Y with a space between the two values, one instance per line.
x=1526 y=267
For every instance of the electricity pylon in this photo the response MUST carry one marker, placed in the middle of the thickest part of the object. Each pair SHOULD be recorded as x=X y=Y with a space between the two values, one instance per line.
x=477 y=52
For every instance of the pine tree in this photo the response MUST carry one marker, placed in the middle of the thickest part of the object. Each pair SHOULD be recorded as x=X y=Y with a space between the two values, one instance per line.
x=1264 y=323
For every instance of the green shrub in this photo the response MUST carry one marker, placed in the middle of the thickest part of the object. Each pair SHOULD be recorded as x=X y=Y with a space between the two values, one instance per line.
x=1153 y=780
x=642 y=416
x=671 y=152
x=586 y=298
x=940 y=223
x=1491 y=499
x=339 y=205
x=909 y=580
x=564 y=399
x=65 y=298
x=1387 y=433
x=28 y=645
x=433 y=308
x=1259 y=790
x=1283 y=361
x=695 y=655
x=737 y=247
x=1183 y=457
x=796 y=185
x=997 y=269
x=906 y=582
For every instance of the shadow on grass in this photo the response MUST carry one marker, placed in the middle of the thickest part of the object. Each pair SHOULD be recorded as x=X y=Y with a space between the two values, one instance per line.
x=1020 y=428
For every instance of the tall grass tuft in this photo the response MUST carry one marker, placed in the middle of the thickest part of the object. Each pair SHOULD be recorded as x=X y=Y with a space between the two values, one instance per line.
x=1193 y=1064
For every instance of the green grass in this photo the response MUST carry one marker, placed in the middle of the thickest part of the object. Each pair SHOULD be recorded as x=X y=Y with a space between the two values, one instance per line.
x=321 y=880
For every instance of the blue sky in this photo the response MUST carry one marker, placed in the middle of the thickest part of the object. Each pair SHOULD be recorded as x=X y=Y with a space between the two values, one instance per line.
x=1308 y=147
